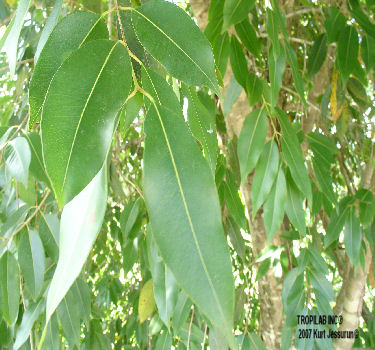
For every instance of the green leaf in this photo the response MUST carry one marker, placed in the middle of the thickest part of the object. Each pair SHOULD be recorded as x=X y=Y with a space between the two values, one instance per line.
x=347 y=51
x=68 y=35
x=17 y=159
x=334 y=24
x=294 y=205
x=358 y=92
x=263 y=269
x=361 y=18
x=235 y=236
x=236 y=11
x=173 y=164
x=215 y=18
x=181 y=311
x=248 y=37
x=251 y=141
x=31 y=260
x=37 y=167
x=9 y=287
x=254 y=88
x=202 y=126
x=233 y=92
x=49 y=231
x=273 y=26
x=320 y=282
x=29 y=317
x=75 y=115
x=265 y=175
x=255 y=342
x=130 y=112
x=238 y=61
x=129 y=216
x=352 y=236
x=317 y=55
x=368 y=51
x=164 y=341
x=276 y=71
x=221 y=50
x=293 y=155
x=48 y=27
x=81 y=221
x=165 y=287
x=324 y=179
x=146 y=304
x=317 y=261
x=366 y=206
x=11 y=42
x=170 y=35
x=52 y=340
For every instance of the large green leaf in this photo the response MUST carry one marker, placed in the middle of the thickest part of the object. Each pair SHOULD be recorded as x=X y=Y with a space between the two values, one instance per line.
x=202 y=126
x=317 y=54
x=238 y=61
x=221 y=52
x=368 y=51
x=248 y=37
x=11 y=42
x=81 y=221
x=293 y=155
x=17 y=159
x=274 y=206
x=276 y=69
x=165 y=287
x=31 y=260
x=9 y=287
x=265 y=174
x=352 y=236
x=77 y=120
x=294 y=205
x=191 y=244
x=251 y=141
x=334 y=23
x=236 y=11
x=29 y=317
x=172 y=37
x=347 y=51
x=68 y=35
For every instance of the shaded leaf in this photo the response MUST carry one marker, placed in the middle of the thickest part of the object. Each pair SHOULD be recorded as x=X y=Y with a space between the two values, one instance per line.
x=221 y=50
x=49 y=231
x=238 y=61
x=233 y=92
x=317 y=54
x=146 y=303
x=352 y=236
x=334 y=24
x=129 y=216
x=248 y=37
x=366 y=206
x=254 y=88
x=368 y=51
x=235 y=235
x=347 y=51
x=276 y=71
x=236 y=11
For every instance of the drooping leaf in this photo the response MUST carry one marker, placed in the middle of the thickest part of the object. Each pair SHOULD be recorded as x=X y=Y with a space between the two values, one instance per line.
x=17 y=159
x=334 y=24
x=52 y=340
x=233 y=92
x=49 y=231
x=221 y=52
x=294 y=205
x=347 y=51
x=276 y=71
x=174 y=164
x=146 y=304
x=29 y=317
x=236 y=11
x=9 y=287
x=366 y=206
x=320 y=282
x=265 y=175
x=235 y=235
x=251 y=141
x=162 y=29
x=352 y=236
x=181 y=311
x=358 y=92
x=361 y=18
x=216 y=340
x=130 y=112
x=293 y=155
x=324 y=178
x=37 y=167
x=164 y=341
x=11 y=42
x=215 y=20
x=68 y=35
x=263 y=269
x=48 y=27
x=238 y=61
x=81 y=221
x=255 y=342
x=31 y=260
x=76 y=116
x=273 y=26
x=165 y=287
x=129 y=216
x=254 y=88
x=368 y=51
x=248 y=37
x=202 y=126
x=317 y=55
x=274 y=205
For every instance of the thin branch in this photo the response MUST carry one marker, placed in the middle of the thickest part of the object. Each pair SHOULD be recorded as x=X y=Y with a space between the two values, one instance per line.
x=204 y=337
x=29 y=60
x=190 y=325
x=302 y=12
x=291 y=38
x=296 y=94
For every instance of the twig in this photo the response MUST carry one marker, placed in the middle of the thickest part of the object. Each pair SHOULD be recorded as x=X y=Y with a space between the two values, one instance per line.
x=204 y=337
x=29 y=60
x=191 y=323
x=291 y=38
x=302 y=12
x=296 y=94
x=15 y=132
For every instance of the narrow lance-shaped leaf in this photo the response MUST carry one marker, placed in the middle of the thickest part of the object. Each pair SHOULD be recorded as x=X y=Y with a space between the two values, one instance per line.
x=251 y=141
x=347 y=50
x=172 y=37
x=248 y=37
x=254 y=88
x=317 y=54
x=31 y=260
x=11 y=43
x=68 y=35
x=49 y=231
x=221 y=52
x=265 y=174
x=9 y=287
x=77 y=120
x=293 y=155
x=238 y=61
x=276 y=68
x=274 y=206
x=236 y=11
x=81 y=221
x=193 y=246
